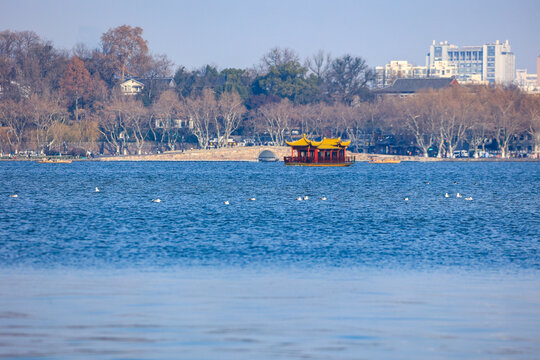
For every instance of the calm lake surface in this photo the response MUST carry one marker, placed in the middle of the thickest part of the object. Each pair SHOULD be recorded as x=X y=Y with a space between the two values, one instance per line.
x=361 y=275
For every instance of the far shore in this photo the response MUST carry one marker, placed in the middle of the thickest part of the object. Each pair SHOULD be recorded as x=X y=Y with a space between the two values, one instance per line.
x=251 y=154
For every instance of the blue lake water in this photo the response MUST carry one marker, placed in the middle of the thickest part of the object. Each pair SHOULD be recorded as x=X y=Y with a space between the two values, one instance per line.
x=364 y=274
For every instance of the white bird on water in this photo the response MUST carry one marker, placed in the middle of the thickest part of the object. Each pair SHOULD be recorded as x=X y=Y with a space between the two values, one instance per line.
x=156 y=200
x=252 y=199
x=469 y=198
x=406 y=199
x=459 y=195
x=226 y=202
x=13 y=196
x=299 y=199
x=306 y=197
x=323 y=198
x=446 y=195
x=97 y=189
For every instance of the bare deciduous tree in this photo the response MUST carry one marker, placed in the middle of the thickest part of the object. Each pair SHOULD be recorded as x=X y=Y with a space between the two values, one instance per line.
x=278 y=57
x=319 y=63
x=481 y=127
x=509 y=122
x=202 y=111
x=231 y=109
x=309 y=118
x=135 y=122
x=111 y=124
x=531 y=108
x=453 y=107
x=43 y=112
x=418 y=121
x=277 y=119
x=165 y=112
x=14 y=121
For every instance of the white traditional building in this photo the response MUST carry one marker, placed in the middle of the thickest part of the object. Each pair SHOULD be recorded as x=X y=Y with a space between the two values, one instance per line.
x=136 y=86
x=488 y=63
x=131 y=87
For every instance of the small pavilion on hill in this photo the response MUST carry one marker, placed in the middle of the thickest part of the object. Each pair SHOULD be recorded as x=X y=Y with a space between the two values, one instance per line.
x=327 y=152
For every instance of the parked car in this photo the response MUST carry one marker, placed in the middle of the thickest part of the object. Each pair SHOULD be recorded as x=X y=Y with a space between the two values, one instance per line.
x=461 y=153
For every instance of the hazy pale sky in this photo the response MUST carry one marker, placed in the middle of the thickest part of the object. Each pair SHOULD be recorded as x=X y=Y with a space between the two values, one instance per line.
x=235 y=33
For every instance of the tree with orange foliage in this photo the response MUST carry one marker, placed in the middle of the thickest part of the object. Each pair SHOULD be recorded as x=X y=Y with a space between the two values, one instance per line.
x=125 y=48
x=75 y=82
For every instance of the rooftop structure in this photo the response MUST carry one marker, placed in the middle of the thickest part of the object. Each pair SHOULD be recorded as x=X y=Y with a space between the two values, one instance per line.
x=405 y=87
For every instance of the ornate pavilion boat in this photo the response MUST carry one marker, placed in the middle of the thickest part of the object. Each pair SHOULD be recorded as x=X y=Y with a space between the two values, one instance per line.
x=327 y=152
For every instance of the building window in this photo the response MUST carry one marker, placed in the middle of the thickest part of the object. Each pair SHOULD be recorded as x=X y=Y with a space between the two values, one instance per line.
x=491 y=50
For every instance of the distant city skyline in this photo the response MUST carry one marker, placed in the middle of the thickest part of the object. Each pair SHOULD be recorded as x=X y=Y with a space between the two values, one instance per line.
x=238 y=33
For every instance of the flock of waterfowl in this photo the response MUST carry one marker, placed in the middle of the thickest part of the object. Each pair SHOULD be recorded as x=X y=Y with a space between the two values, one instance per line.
x=458 y=195
x=447 y=195
x=300 y=198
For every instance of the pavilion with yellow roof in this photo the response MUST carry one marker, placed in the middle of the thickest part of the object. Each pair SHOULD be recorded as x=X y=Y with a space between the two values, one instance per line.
x=327 y=152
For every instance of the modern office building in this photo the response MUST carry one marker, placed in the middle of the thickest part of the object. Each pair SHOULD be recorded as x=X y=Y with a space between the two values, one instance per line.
x=491 y=63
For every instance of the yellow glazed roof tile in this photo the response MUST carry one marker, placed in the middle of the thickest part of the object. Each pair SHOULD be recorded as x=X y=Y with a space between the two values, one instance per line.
x=324 y=144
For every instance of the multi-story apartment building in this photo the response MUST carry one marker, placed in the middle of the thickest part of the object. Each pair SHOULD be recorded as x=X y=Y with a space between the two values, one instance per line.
x=386 y=75
x=538 y=70
x=491 y=63
x=527 y=82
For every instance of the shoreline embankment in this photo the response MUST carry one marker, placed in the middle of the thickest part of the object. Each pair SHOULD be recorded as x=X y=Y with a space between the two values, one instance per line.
x=251 y=154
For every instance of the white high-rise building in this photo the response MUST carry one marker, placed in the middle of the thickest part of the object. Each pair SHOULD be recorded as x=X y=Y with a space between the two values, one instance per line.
x=491 y=63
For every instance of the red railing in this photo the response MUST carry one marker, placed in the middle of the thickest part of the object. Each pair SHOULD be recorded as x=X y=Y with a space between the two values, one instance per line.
x=311 y=160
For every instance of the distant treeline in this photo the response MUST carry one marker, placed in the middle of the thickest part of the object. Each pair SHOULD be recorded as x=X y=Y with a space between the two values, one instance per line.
x=53 y=101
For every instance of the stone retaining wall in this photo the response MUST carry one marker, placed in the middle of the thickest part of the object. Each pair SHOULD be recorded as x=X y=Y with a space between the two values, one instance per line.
x=249 y=153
